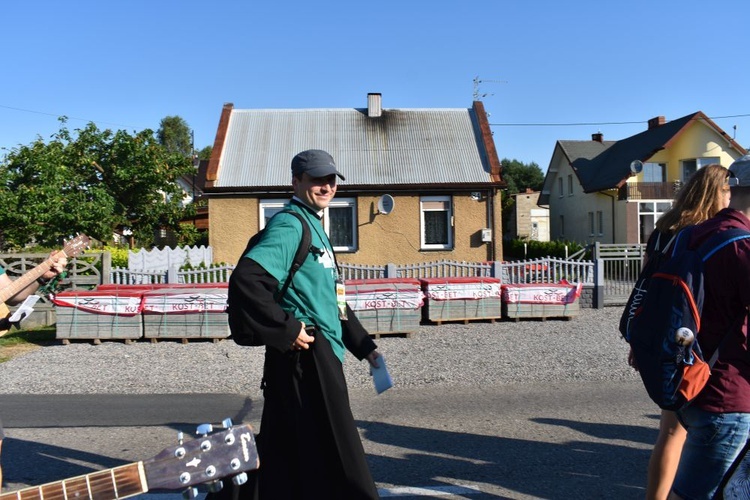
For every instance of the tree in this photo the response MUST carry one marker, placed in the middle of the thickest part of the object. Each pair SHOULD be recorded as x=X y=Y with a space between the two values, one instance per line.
x=91 y=181
x=518 y=177
x=205 y=153
x=175 y=135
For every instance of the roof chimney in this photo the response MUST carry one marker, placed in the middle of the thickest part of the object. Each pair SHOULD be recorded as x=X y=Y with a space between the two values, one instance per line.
x=374 y=105
x=656 y=122
x=598 y=137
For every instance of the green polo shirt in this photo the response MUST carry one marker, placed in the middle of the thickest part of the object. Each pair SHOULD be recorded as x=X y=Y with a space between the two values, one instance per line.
x=312 y=295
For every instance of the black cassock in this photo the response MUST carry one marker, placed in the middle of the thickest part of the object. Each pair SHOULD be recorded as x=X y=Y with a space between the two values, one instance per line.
x=308 y=445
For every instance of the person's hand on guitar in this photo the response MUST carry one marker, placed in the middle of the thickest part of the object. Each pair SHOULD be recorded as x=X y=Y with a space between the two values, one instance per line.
x=14 y=292
x=58 y=261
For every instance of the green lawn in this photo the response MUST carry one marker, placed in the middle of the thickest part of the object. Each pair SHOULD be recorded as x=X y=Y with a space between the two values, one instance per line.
x=19 y=340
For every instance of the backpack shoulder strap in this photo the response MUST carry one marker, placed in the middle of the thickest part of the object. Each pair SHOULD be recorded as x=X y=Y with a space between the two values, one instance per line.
x=720 y=240
x=299 y=257
x=667 y=246
x=681 y=239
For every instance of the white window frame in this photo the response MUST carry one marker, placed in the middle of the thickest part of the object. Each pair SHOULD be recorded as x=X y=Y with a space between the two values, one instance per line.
x=350 y=203
x=273 y=206
x=449 y=222
x=651 y=211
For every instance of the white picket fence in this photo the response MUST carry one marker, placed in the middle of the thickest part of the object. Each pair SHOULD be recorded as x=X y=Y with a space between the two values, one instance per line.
x=164 y=259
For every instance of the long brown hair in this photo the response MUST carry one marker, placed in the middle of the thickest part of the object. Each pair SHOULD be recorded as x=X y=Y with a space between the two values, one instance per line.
x=699 y=199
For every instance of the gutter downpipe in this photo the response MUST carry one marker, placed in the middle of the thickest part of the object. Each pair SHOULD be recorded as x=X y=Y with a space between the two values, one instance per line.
x=599 y=263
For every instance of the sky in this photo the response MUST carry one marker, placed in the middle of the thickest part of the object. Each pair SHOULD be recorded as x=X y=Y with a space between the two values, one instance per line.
x=546 y=70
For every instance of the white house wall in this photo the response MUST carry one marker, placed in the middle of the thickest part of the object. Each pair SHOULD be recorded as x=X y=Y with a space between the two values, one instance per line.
x=575 y=210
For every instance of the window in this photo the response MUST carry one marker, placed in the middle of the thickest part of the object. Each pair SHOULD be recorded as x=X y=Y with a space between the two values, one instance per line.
x=269 y=208
x=435 y=222
x=339 y=220
x=689 y=167
x=570 y=184
x=648 y=213
x=341 y=224
x=654 y=172
x=562 y=226
x=560 y=186
x=600 y=219
x=591 y=223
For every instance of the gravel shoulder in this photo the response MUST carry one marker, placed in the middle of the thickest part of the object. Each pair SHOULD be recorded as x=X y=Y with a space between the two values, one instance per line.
x=588 y=347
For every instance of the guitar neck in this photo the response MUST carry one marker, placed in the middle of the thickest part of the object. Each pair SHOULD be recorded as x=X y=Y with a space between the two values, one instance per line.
x=120 y=482
x=23 y=281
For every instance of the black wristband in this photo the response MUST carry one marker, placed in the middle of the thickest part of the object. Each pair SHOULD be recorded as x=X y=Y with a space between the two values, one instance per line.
x=42 y=281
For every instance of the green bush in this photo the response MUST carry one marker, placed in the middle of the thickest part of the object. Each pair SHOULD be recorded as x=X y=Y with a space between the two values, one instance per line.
x=119 y=255
x=514 y=249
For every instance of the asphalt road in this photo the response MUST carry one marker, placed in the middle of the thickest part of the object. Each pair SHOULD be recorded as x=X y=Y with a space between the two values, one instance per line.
x=526 y=441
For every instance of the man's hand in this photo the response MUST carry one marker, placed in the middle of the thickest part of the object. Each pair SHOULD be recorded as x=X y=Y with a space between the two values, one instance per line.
x=303 y=340
x=372 y=358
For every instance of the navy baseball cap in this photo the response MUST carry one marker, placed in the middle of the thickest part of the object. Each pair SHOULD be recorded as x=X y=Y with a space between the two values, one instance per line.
x=740 y=172
x=315 y=163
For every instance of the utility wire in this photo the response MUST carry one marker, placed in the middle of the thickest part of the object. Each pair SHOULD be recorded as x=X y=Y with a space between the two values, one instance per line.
x=589 y=124
x=571 y=124
x=57 y=115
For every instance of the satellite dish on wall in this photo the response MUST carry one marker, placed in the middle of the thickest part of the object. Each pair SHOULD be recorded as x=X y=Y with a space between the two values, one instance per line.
x=636 y=167
x=385 y=204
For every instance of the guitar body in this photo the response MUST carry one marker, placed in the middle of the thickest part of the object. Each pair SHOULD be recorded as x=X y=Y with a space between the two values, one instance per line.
x=4 y=323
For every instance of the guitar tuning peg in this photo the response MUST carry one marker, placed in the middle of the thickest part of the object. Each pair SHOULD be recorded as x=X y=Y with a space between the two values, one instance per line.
x=239 y=479
x=227 y=423
x=180 y=438
x=204 y=429
x=215 y=486
x=190 y=493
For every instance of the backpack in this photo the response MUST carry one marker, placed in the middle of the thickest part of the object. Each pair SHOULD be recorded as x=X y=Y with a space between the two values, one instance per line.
x=240 y=332
x=664 y=324
x=658 y=257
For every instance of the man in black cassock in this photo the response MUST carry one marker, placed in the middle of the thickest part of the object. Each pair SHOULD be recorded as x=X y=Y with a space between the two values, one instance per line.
x=309 y=446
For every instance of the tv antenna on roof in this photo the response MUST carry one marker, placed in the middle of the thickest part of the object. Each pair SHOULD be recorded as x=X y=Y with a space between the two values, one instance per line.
x=477 y=94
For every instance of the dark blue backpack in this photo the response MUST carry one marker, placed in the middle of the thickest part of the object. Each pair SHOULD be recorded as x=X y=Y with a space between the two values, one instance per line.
x=664 y=326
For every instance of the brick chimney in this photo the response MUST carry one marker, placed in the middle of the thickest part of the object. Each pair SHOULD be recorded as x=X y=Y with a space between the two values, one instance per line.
x=598 y=137
x=656 y=122
x=374 y=105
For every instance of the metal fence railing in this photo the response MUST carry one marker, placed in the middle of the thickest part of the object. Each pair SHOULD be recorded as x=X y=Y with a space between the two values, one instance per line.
x=546 y=270
x=621 y=265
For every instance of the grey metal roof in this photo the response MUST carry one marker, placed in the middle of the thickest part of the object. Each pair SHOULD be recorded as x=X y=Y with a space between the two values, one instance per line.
x=584 y=149
x=403 y=146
